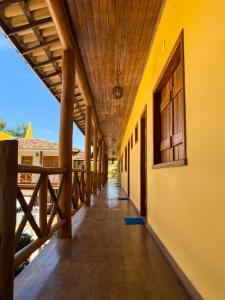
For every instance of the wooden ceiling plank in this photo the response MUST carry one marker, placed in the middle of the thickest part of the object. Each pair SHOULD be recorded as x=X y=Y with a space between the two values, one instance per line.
x=94 y=35
x=61 y=21
x=141 y=7
x=37 y=32
x=55 y=84
x=150 y=20
x=83 y=20
x=5 y=3
x=47 y=62
x=53 y=74
x=32 y=24
x=41 y=45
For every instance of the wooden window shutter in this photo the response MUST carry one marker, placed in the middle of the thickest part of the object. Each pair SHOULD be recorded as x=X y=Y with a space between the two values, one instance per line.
x=169 y=112
x=178 y=109
x=166 y=111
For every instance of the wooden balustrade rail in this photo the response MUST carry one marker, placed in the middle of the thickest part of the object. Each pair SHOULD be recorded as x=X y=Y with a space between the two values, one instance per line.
x=50 y=218
x=45 y=229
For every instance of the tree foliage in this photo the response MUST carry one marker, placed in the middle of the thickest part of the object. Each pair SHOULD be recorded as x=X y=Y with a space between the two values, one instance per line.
x=25 y=240
x=20 y=130
x=3 y=124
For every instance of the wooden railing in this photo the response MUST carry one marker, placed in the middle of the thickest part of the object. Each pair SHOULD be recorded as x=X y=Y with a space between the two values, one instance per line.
x=50 y=215
x=45 y=228
x=79 y=192
x=78 y=188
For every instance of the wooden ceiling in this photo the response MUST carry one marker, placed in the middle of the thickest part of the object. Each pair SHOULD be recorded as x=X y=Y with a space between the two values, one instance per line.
x=29 y=26
x=111 y=33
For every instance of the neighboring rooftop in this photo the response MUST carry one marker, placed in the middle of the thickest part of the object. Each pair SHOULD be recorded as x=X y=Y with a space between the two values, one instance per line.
x=39 y=144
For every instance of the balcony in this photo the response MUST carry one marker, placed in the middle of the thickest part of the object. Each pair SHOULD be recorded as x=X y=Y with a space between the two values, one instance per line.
x=105 y=259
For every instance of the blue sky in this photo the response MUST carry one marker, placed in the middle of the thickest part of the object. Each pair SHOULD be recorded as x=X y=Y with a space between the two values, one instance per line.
x=24 y=98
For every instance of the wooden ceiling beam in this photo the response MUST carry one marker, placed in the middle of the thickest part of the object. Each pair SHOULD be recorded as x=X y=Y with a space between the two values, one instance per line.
x=41 y=45
x=78 y=94
x=51 y=75
x=29 y=25
x=55 y=84
x=37 y=32
x=47 y=62
x=60 y=18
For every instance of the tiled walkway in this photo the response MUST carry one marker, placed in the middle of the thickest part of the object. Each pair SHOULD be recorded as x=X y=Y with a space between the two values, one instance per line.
x=105 y=259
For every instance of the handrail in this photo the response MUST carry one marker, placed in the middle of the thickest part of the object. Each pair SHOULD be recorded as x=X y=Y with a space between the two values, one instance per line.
x=22 y=168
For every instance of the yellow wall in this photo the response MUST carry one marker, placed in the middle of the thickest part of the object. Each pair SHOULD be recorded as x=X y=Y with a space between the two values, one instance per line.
x=5 y=136
x=186 y=205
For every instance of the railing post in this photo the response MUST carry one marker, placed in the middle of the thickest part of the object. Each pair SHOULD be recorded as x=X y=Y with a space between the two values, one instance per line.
x=95 y=159
x=75 y=190
x=8 y=190
x=82 y=184
x=99 y=164
x=88 y=152
x=102 y=165
x=43 y=200
x=66 y=138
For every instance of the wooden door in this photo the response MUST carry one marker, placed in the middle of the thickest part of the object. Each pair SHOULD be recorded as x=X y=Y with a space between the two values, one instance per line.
x=128 y=169
x=26 y=177
x=143 y=165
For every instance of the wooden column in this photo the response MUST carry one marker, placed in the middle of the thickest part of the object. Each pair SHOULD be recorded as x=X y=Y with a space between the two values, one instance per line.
x=8 y=190
x=95 y=158
x=106 y=168
x=43 y=199
x=88 y=151
x=99 y=164
x=102 y=164
x=66 y=138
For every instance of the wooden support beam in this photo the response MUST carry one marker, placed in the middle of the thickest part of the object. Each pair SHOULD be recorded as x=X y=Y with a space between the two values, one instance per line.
x=43 y=200
x=77 y=94
x=87 y=161
x=55 y=84
x=99 y=163
x=102 y=165
x=65 y=139
x=107 y=167
x=53 y=74
x=8 y=188
x=67 y=39
x=29 y=25
x=41 y=45
x=95 y=158
x=47 y=62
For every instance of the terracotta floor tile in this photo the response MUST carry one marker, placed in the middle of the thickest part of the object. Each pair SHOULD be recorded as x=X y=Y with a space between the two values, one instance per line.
x=106 y=259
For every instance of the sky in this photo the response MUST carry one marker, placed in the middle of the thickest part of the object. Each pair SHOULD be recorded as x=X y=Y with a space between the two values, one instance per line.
x=24 y=98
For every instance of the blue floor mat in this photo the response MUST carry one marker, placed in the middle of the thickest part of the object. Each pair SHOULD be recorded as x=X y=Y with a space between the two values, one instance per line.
x=123 y=198
x=134 y=221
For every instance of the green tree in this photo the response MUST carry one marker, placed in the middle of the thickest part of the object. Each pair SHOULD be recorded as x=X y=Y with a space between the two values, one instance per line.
x=3 y=124
x=20 y=130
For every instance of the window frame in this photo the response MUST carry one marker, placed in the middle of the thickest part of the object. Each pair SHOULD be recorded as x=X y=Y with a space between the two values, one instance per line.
x=176 y=57
x=125 y=169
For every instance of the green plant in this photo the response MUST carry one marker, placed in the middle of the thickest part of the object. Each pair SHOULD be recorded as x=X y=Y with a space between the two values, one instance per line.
x=25 y=240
